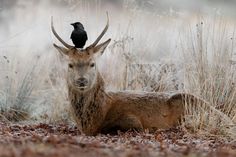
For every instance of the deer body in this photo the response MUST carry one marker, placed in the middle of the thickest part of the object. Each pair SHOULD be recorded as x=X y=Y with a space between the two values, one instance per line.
x=98 y=111
x=143 y=110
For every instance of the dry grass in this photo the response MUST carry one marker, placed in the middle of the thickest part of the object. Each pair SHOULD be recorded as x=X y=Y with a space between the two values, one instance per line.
x=197 y=59
x=210 y=74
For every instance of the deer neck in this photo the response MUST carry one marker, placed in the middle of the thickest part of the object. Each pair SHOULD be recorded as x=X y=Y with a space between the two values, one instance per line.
x=87 y=106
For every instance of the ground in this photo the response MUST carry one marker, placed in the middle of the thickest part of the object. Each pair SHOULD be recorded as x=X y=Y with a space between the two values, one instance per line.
x=65 y=140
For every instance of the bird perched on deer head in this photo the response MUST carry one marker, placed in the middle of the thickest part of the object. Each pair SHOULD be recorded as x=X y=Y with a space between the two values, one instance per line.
x=78 y=35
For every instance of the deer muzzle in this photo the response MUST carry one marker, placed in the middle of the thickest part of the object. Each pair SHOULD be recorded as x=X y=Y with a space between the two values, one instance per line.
x=81 y=82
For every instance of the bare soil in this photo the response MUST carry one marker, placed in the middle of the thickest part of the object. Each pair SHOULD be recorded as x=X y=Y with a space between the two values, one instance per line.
x=45 y=140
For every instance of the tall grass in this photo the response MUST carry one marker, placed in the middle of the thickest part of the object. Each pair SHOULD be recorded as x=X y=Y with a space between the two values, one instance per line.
x=18 y=86
x=151 y=52
x=210 y=74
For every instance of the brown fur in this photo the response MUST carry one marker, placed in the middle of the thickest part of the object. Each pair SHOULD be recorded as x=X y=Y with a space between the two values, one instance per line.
x=98 y=111
x=104 y=112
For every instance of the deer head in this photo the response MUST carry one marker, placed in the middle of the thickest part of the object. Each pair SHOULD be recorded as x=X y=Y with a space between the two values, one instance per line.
x=82 y=71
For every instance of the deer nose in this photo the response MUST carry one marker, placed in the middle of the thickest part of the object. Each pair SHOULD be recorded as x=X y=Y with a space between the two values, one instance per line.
x=82 y=82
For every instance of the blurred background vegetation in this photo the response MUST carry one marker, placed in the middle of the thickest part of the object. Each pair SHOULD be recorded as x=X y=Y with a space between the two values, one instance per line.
x=157 y=45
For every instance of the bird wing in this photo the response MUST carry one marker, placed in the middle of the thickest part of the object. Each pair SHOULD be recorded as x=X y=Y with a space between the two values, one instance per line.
x=79 y=34
x=85 y=36
x=79 y=38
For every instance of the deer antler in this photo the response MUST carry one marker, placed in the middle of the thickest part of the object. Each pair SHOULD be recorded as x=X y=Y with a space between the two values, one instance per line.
x=101 y=35
x=58 y=37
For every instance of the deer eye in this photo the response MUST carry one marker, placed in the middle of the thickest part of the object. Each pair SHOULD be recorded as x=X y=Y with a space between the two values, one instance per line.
x=92 y=65
x=70 y=66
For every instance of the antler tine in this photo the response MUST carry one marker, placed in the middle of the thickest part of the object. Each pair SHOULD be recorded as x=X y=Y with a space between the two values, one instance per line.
x=58 y=37
x=102 y=34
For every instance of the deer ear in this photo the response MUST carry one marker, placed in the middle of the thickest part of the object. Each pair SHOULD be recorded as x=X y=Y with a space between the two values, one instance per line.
x=62 y=50
x=99 y=49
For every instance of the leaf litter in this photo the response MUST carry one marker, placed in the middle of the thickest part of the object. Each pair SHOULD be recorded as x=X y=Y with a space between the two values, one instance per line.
x=58 y=140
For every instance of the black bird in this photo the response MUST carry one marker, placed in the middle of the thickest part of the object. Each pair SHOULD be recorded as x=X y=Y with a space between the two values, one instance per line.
x=78 y=35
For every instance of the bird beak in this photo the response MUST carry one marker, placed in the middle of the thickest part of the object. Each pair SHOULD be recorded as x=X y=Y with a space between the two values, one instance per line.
x=72 y=24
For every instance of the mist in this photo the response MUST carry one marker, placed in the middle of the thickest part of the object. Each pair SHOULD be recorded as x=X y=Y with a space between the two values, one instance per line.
x=25 y=24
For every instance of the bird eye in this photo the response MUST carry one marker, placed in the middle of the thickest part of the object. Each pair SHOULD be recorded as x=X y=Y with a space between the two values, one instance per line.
x=70 y=66
x=92 y=65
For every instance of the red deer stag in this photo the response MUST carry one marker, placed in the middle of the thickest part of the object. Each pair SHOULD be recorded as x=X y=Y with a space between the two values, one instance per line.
x=98 y=111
